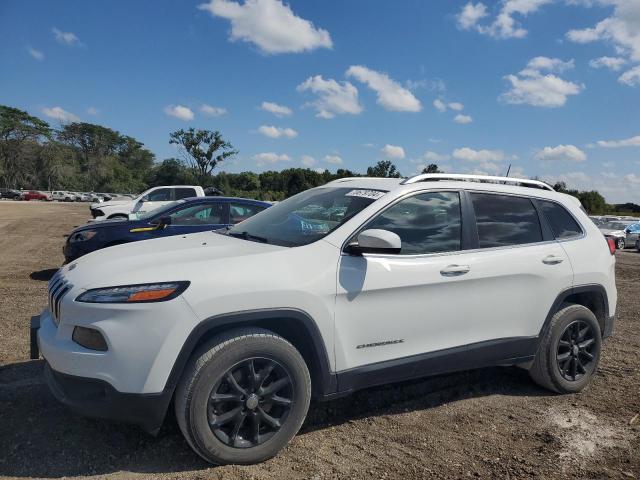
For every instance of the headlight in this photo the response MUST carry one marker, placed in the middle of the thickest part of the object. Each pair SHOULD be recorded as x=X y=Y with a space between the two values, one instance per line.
x=148 y=292
x=83 y=236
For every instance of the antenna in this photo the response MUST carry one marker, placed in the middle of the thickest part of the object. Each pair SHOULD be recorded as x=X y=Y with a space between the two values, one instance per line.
x=508 y=170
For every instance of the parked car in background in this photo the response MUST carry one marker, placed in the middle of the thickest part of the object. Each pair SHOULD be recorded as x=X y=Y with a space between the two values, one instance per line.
x=182 y=216
x=632 y=234
x=616 y=230
x=63 y=196
x=149 y=200
x=358 y=283
x=35 y=195
x=10 y=194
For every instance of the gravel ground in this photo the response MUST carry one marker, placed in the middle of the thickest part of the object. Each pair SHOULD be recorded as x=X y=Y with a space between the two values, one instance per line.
x=485 y=423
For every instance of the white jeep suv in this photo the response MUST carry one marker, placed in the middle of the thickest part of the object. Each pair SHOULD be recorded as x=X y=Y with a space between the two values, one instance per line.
x=361 y=282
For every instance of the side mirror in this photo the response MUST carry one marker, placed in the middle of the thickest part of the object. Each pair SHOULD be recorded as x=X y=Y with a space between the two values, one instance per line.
x=164 y=222
x=375 y=241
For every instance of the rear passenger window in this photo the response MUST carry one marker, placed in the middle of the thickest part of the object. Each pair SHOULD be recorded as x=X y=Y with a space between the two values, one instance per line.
x=505 y=220
x=561 y=221
x=426 y=223
x=181 y=193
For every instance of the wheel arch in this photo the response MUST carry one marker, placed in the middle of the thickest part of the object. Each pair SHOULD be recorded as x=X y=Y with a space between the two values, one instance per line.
x=592 y=296
x=295 y=326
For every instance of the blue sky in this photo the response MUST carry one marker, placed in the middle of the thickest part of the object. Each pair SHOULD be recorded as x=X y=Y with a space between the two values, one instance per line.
x=551 y=87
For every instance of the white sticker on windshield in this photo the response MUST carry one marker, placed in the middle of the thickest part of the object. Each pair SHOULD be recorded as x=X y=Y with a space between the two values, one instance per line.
x=372 y=194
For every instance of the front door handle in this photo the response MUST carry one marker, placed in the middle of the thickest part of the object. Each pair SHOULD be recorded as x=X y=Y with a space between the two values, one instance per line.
x=552 y=260
x=455 y=270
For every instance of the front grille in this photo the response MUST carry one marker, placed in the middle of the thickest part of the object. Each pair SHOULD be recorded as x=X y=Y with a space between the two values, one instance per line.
x=96 y=212
x=58 y=288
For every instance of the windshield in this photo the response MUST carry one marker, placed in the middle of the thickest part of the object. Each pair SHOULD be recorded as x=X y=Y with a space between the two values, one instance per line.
x=154 y=212
x=306 y=217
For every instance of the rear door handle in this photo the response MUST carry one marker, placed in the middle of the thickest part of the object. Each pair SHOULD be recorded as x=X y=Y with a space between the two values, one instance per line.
x=552 y=260
x=455 y=270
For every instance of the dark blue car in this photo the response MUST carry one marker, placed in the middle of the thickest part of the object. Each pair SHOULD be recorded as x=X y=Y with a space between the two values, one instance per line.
x=183 y=216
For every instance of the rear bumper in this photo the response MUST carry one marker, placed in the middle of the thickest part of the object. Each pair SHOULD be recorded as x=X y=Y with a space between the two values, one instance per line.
x=96 y=398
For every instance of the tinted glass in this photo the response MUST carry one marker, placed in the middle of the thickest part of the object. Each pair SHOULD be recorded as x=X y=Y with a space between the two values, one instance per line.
x=239 y=212
x=184 y=193
x=208 y=214
x=160 y=195
x=307 y=216
x=426 y=223
x=561 y=221
x=505 y=220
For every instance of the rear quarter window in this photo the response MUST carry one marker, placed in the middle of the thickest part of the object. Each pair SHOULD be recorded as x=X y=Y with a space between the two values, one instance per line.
x=181 y=193
x=560 y=220
x=505 y=220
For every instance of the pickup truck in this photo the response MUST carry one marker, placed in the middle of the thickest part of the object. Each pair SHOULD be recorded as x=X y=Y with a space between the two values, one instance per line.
x=149 y=200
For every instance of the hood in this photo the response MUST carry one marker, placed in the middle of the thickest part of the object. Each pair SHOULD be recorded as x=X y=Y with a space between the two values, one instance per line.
x=158 y=260
x=613 y=233
x=92 y=225
x=111 y=203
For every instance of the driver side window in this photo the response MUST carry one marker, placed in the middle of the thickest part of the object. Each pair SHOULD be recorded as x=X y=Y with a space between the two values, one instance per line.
x=426 y=223
x=207 y=214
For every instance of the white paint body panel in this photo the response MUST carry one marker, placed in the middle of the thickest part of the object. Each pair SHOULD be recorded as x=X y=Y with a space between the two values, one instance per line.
x=507 y=292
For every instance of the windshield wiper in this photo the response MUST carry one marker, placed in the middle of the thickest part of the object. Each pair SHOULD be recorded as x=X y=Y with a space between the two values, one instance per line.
x=247 y=236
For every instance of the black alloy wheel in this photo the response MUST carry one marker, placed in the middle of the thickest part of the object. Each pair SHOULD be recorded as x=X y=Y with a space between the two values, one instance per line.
x=250 y=402
x=575 y=353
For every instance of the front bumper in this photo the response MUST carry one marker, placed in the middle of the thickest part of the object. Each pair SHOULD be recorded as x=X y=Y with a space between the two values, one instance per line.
x=96 y=212
x=96 y=398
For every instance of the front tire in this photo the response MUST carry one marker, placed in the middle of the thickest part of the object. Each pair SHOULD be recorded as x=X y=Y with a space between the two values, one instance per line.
x=243 y=396
x=118 y=217
x=569 y=351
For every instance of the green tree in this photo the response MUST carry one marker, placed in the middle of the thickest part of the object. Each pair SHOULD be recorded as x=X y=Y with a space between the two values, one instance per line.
x=203 y=150
x=17 y=129
x=384 y=168
x=170 y=171
x=431 y=168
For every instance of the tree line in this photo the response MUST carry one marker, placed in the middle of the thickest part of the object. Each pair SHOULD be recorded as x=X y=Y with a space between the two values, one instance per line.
x=82 y=156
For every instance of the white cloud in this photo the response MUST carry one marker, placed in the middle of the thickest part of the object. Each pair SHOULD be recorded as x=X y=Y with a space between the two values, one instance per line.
x=631 y=77
x=612 y=63
x=622 y=29
x=60 y=114
x=212 y=111
x=391 y=95
x=276 y=109
x=93 y=111
x=66 y=38
x=569 y=153
x=333 y=159
x=485 y=168
x=333 y=98
x=269 y=158
x=504 y=25
x=37 y=54
x=463 y=119
x=456 y=106
x=277 y=132
x=439 y=105
x=482 y=156
x=531 y=87
x=308 y=161
x=435 y=157
x=179 y=111
x=269 y=24
x=616 y=188
x=627 y=142
x=393 y=152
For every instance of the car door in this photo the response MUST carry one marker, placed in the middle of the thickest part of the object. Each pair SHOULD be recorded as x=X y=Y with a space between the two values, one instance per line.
x=445 y=293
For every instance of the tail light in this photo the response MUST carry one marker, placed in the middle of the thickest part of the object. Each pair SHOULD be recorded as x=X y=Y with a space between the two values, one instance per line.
x=612 y=245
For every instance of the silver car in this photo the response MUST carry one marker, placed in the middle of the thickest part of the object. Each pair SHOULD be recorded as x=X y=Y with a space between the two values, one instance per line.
x=615 y=230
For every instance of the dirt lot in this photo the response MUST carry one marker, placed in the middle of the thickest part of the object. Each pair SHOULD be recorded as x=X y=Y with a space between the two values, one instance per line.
x=485 y=423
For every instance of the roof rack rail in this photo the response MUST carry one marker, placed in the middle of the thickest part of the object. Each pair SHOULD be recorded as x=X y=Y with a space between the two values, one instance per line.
x=523 y=182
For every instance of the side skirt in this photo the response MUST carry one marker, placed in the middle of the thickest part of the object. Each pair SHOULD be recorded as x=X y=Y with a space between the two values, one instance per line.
x=504 y=351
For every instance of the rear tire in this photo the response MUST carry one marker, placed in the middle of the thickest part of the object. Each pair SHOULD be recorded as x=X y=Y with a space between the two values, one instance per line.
x=243 y=396
x=620 y=244
x=569 y=351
